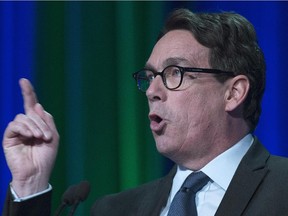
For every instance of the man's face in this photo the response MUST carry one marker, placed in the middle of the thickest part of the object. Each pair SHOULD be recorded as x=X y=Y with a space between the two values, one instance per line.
x=185 y=122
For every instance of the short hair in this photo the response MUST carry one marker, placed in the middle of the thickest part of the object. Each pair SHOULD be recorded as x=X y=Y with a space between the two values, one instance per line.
x=233 y=46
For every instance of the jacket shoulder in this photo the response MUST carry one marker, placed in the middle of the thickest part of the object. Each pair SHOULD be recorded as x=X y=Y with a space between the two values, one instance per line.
x=145 y=199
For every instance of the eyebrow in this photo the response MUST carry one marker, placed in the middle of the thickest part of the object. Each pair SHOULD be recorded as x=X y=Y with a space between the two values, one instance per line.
x=169 y=61
x=175 y=61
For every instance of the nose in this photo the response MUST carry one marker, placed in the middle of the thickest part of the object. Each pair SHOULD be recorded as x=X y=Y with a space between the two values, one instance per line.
x=157 y=91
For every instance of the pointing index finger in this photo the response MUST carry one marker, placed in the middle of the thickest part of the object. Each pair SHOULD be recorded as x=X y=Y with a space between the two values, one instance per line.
x=29 y=96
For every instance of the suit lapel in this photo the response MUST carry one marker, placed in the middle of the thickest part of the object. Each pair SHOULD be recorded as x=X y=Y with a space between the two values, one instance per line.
x=245 y=182
x=159 y=196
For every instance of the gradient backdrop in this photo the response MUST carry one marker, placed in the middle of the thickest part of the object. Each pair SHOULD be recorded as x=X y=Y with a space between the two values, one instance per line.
x=80 y=57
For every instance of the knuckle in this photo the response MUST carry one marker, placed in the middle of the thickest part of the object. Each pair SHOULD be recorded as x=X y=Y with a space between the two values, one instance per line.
x=11 y=124
x=49 y=115
x=19 y=116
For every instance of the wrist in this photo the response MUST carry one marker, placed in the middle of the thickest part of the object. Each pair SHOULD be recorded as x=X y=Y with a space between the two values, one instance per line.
x=29 y=186
x=21 y=199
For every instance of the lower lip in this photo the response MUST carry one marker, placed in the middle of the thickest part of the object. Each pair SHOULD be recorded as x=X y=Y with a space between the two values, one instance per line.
x=157 y=127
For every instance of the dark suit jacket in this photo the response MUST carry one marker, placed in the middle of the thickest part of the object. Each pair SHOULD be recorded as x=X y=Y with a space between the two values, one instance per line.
x=258 y=188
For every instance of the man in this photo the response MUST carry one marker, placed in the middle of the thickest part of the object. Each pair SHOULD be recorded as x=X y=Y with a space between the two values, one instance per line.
x=204 y=81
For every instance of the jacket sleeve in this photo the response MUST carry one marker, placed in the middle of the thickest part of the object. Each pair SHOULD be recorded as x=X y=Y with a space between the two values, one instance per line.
x=40 y=205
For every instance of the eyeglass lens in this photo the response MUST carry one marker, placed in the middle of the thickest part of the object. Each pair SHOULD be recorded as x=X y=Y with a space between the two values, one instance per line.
x=171 y=78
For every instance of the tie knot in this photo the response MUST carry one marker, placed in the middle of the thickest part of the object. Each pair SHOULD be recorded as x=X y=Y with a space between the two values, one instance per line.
x=195 y=182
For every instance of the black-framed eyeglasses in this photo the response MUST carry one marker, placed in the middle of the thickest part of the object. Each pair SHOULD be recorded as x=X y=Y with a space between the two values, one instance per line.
x=172 y=76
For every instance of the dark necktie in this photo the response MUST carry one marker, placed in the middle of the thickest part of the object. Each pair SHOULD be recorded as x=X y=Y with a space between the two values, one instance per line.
x=183 y=203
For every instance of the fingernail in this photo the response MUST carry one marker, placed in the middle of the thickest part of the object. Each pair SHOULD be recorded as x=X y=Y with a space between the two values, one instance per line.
x=48 y=135
x=38 y=133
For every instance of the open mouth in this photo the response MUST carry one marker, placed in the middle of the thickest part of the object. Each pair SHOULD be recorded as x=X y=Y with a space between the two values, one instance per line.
x=156 y=123
x=155 y=118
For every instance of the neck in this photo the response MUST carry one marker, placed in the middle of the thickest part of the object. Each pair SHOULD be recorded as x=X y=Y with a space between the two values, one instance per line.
x=216 y=145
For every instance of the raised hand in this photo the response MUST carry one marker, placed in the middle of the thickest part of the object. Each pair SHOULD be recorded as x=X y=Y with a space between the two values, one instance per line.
x=30 y=145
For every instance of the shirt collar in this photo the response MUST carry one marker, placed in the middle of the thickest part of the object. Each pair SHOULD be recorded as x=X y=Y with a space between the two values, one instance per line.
x=230 y=159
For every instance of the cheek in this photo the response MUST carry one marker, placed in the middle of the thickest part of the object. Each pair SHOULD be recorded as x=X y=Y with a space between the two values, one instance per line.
x=191 y=107
x=185 y=116
x=195 y=113
x=193 y=110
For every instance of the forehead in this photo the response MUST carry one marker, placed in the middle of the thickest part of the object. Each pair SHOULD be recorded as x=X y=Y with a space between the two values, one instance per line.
x=181 y=46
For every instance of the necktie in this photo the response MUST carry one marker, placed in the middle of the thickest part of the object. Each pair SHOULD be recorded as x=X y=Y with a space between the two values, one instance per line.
x=183 y=203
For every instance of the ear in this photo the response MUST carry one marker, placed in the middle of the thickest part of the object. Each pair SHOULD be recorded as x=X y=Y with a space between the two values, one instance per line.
x=236 y=93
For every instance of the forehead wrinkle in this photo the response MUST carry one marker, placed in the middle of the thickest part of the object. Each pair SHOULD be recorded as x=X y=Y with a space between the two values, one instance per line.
x=175 y=61
x=201 y=58
x=178 y=47
x=179 y=61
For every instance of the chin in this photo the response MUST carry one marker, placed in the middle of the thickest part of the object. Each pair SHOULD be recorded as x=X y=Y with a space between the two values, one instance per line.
x=164 y=149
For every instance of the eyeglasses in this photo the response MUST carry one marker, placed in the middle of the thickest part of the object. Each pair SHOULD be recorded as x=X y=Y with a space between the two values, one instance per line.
x=172 y=76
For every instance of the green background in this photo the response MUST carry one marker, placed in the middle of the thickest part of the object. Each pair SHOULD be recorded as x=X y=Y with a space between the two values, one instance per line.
x=89 y=52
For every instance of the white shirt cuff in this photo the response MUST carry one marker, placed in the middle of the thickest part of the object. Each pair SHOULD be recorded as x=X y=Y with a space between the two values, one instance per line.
x=20 y=199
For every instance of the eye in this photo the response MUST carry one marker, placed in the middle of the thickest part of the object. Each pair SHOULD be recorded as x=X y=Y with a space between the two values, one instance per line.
x=150 y=77
x=146 y=75
x=172 y=72
x=190 y=75
x=175 y=72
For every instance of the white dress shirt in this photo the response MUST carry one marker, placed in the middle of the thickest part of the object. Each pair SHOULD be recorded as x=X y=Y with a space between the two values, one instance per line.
x=220 y=170
x=20 y=199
